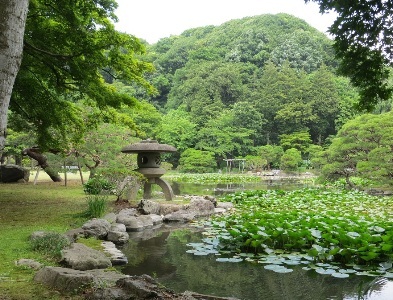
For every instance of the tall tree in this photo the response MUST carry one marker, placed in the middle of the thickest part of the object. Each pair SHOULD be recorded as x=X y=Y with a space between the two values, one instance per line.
x=12 y=26
x=68 y=46
x=362 y=146
x=363 y=35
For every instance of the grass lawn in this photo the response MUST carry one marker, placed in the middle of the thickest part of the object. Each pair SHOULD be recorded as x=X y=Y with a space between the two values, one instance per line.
x=25 y=208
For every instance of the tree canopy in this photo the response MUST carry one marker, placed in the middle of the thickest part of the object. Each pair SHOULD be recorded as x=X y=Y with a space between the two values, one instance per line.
x=68 y=48
x=363 y=35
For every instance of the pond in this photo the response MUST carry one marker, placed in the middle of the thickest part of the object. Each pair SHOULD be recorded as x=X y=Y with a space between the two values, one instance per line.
x=218 y=189
x=161 y=253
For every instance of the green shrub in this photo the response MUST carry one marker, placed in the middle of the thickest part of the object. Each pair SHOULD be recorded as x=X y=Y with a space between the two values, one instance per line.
x=50 y=244
x=291 y=160
x=197 y=161
x=97 y=185
x=122 y=181
x=96 y=206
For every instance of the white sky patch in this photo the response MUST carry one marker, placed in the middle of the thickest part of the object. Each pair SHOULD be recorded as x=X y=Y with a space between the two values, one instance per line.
x=152 y=20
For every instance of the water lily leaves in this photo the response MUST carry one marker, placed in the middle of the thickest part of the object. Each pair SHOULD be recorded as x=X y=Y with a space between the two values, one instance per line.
x=353 y=234
x=316 y=226
x=316 y=233
x=325 y=271
x=232 y=259
x=278 y=268
x=376 y=229
x=386 y=265
x=340 y=275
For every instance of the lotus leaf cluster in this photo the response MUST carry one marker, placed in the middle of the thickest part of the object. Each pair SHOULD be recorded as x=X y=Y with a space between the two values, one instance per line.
x=214 y=178
x=334 y=232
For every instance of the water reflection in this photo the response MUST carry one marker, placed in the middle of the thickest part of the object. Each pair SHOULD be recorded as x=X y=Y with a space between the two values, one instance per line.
x=185 y=188
x=161 y=253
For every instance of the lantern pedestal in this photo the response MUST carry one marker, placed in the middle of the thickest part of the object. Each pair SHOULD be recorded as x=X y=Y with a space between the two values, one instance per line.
x=149 y=162
x=164 y=185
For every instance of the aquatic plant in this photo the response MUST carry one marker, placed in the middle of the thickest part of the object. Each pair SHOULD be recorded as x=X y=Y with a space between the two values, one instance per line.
x=213 y=178
x=335 y=232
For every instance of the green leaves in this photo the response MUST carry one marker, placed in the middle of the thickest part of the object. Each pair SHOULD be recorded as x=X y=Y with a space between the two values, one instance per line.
x=321 y=228
x=362 y=146
x=71 y=52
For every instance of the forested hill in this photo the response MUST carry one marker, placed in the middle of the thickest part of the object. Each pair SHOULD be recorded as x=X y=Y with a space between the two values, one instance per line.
x=249 y=43
x=253 y=39
x=257 y=77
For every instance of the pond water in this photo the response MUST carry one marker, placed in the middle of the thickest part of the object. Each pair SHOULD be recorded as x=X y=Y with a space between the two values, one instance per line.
x=161 y=253
x=217 y=189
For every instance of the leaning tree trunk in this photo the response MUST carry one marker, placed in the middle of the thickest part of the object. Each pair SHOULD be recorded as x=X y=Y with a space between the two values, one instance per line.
x=42 y=161
x=12 y=26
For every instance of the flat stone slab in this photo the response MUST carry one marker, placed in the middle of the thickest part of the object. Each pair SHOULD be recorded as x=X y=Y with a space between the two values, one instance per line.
x=74 y=281
x=116 y=256
x=81 y=257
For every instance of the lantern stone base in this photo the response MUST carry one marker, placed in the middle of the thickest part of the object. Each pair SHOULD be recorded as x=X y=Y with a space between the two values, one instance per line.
x=166 y=188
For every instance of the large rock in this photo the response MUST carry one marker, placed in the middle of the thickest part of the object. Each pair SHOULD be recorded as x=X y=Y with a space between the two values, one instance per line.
x=198 y=207
x=128 y=212
x=110 y=285
x=148 y=207
x=157 y=219
x=147 y=221
x=167 y=208
x=75 y=281
x=134 y=224
x=81 y=257
x=118 y=234
x=201 y=207
x=97 y=228
x=128 y=217
x=182 y=216
x=63 y=279
x=145 y=287
x=13 y=173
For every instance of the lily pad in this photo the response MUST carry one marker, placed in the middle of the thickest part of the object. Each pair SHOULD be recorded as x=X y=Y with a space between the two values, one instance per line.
x=340 y=275
x=278 y=268
x=325 y=271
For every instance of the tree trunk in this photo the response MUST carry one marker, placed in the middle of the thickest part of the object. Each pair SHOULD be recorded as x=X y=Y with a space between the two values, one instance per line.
x=349 y=182
x=43 y=163
x=93 y=167
x=12 y=26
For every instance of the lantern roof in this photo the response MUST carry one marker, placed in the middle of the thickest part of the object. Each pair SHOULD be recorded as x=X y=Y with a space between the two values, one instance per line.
x=148 y=146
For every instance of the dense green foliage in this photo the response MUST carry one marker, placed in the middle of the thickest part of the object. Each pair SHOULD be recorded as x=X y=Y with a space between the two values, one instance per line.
x=331 y=231
x=232 y=88
x=97 y=185
x=71 y=52
x=50 y=244
x=362 y=147
x=213 y=178
x=96 y=206
x=272 y=79
x=197 y=161
x=363 y=41
x=291 y=159
x=249 y=88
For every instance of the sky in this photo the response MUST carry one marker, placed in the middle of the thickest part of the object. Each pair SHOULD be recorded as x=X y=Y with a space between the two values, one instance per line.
x=152 y=20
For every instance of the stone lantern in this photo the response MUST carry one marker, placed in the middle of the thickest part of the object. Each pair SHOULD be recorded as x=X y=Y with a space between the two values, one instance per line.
x=149 y=164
